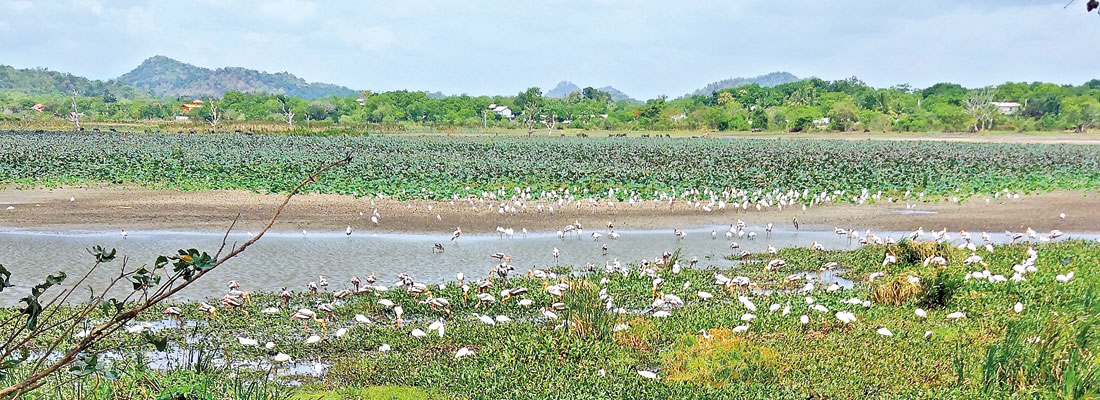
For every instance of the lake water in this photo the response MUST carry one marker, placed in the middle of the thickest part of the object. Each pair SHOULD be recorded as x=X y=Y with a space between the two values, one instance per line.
x=293 y=260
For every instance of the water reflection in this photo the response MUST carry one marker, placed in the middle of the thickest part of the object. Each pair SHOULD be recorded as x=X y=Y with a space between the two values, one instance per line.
x=293 y=260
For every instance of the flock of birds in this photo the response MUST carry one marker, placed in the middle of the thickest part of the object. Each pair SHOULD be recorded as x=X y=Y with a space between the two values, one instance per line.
x=482 y=292
x=663 y=304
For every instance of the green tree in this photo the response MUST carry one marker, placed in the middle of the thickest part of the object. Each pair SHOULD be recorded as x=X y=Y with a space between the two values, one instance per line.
x=759 y=119
x=1081 y=112
x=843 y=116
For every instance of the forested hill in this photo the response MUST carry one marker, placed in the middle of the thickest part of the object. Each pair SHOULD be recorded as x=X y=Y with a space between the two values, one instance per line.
x=564 y=88
x=40 y=81
x=769 y=80
x=168 y=77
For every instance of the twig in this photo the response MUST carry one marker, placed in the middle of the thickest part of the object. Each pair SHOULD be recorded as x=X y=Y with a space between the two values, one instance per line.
x=111 y=326
x=226 y=237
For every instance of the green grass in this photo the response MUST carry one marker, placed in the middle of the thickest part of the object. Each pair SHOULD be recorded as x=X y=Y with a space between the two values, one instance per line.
x=369 y=393
x=1048 y=351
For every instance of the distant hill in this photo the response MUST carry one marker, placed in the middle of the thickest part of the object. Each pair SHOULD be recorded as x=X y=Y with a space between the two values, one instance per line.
x=769 y=80
x=565 y=87
x=168 y=77
x=617 y=95
x=39 y=81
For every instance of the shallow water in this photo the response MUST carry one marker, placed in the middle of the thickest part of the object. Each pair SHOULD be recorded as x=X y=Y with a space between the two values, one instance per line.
x=293 y=260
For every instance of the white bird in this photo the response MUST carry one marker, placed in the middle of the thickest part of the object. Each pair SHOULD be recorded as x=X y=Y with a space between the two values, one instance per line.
x=1018 y=308
x=846 y=317
x=774 y=307
x=485 y=319
x=502 y=319
x=313 y=339
x=884 y=332
x=463 y=352
x=270 y=310
x=647 y=374
x=920 y=313
x=805 y=319
x=1064 y=278
x=281 y=358
x=740 y=328
x=341 y=332
x=661 y=314
x=549 y=314
x=748 y=317
x=269 y=345
x=123 y=233
x=362 y=319
x=417 y=333
x=748 y=303
x=704 y=295
x=384 y=348
x=247 y=341
x=956 y=315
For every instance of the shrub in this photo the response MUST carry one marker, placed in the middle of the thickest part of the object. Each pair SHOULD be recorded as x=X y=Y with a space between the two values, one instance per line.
x=895 y=292
x=722 y=359
x=640 y=335
x=585 y=311
x=915 y=252
x=939 y=292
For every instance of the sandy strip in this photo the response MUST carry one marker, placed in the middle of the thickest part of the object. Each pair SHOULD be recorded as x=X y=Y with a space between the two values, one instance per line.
x=99 y=208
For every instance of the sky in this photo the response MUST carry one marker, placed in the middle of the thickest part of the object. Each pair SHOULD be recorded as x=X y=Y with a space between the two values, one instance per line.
x=644 y=48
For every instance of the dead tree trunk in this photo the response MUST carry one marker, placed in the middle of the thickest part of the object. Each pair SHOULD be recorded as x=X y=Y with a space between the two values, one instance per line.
x=213 y=116
x=75 y=115
x=550 y=124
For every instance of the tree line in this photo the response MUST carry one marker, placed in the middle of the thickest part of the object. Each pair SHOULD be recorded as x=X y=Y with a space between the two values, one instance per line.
x=807 y=105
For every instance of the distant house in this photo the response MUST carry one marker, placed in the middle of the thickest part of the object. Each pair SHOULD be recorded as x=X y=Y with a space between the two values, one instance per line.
x=501 y=110
x=182 y=118
x=186 y=107
x=38 y=107
x=678 y=117
x=361 y=101
x=822 y=122
x=1007 y=107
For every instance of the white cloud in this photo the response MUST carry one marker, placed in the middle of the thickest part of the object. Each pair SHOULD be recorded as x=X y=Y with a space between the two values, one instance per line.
x=91 y=5
x=15 y=6
x=365 y=38
x=289 y=11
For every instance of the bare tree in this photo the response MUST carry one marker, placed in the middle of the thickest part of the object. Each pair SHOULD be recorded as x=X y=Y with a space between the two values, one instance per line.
x=213 y=115
x=550 y=123
x=180 y=270
x=75 y=115
x=979 y=104
x=529 y=121
x=286 y=112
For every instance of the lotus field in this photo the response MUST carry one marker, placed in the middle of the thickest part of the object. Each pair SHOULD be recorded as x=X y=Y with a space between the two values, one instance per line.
x=444 y=168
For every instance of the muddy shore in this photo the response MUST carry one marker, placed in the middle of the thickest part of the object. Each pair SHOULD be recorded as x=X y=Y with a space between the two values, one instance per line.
x=101 y=208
